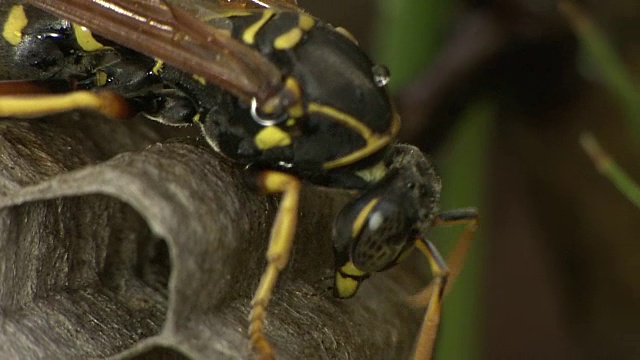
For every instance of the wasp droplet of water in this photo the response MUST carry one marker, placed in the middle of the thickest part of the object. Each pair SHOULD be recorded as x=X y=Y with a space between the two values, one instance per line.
x=381 y=75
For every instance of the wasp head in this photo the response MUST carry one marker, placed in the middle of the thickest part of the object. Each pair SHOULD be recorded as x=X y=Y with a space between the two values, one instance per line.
x=374 y=231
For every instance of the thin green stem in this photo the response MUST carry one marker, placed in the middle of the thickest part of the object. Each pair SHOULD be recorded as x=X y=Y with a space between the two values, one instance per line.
x=604 y=57
x=609 y=168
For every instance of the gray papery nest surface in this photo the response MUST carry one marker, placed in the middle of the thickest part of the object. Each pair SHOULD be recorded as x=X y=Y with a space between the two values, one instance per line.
x=115 y=242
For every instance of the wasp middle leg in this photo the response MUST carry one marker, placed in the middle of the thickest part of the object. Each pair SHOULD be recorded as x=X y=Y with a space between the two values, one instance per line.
x=278 y=252
x=443 y=275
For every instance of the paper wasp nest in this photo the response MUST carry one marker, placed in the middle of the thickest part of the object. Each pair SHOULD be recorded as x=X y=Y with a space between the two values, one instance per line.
x=115 y=244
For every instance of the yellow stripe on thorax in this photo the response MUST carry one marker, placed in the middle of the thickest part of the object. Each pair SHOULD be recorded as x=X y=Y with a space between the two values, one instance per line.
x=101 y=78
x=157 y=67
x=306 y=22
x=199 y=79
x=373 y=173
x=344 y=32
x=249 y=35
x=15 y=23
x=374 y=142
x=271 y=137
x=85 y=38
x=288 y=40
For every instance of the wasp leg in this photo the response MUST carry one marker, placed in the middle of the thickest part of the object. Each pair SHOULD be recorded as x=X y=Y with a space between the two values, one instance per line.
x=443 y=275
x=470 y=219
x=280 y=242
x=455 y=260
x=429 y=329
x=33 y=105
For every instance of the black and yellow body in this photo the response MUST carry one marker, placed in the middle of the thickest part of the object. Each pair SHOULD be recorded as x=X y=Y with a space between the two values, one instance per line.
x=269 y=85
x=353 y=113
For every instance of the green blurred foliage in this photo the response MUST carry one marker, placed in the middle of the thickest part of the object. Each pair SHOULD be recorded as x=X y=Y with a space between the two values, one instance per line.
x=464 y=178
x=601 y=57
x=410 y=33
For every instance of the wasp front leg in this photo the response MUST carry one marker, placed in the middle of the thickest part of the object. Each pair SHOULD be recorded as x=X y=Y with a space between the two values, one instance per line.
x=443 y=275
x=28 y=99
x=278 y=252
x=33 y=105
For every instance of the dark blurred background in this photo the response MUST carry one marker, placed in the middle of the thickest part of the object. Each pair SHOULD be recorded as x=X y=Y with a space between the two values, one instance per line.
x=499 y=93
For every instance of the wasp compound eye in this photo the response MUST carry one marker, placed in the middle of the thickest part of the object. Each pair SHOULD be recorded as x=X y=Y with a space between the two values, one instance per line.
x=382 y=237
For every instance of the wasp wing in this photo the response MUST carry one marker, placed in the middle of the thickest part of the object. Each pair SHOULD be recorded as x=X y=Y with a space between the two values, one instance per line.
x=178 y=36
x=274 y=4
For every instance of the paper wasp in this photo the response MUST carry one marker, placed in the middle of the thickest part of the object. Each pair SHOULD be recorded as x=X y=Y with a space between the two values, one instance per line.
x=296 y=100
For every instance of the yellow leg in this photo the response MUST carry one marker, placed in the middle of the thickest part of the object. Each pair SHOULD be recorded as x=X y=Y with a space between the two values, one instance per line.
x=470 y=219
x=432 y=295
x=107 y=103
x=455 y=260
x=280 y=242
x=431 y=322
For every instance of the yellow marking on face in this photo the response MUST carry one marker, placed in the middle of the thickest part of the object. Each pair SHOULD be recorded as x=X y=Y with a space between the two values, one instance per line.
x=350 y=269
x=157 y=67
x=358 y=223
x=101 y=78
x=305 y=22
x=15 y=23
x=373 y=174
x=271 y=137
x=290 y=122
x=85 y=38
x=345 y=286
x=199 y=79
x=249 y=35
x=374 y=142
x=347 y=34
x=288 y=40
x=196 y=118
